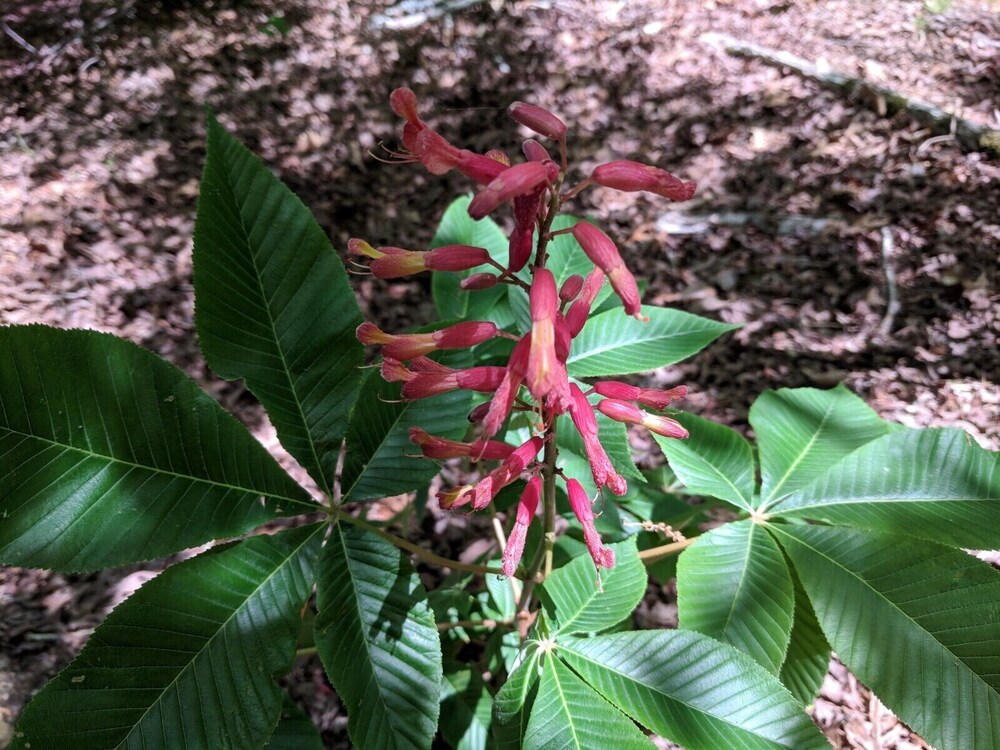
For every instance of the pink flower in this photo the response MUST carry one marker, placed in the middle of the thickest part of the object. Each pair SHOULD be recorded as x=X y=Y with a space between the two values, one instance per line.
x=631 y=176
x=526 y=509
x=526 y=210
x=571 y=287
x=479 y=281
x=393 y=262
x=546 y=377
x=411 y=345
x=622 y=411
x=645 y=396
x=535 y=151
x=437 y=447
x=601 y=468
x=604 y=557
x=521 y=179
x=540 y=120
x=424 y=384
x=519 y=459
x=603 y=253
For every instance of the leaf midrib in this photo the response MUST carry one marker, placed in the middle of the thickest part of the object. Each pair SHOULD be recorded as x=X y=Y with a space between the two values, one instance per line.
x=565 y=705
x=658 y=691
x=321 y=478
x=222 y=626
x=798 y=459
x=158 y=470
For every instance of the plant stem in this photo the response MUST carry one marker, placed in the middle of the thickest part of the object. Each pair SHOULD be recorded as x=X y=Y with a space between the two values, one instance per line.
x=544 y=554
x=418 y=551
x=475 y=624
x=650 y=556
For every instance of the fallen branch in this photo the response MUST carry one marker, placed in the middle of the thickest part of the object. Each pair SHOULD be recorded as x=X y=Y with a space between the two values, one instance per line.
x=970 y=135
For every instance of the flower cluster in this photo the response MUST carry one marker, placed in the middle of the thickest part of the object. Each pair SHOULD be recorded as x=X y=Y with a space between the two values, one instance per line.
x=537 y=363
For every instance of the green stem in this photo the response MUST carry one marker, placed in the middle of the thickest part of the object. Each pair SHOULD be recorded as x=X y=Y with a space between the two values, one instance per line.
x=650 y=556
x=418 y=551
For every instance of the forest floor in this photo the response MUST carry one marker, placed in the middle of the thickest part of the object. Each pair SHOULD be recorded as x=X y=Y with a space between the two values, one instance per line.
x=813 y=210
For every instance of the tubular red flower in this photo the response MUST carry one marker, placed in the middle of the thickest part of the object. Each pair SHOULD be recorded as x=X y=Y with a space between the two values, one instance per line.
x=521 y=179
x=645 y=396
x=579 y=311
x=526 y=509
x=526 y=210
x=399 y=264
x=455 y=498
x=540 y=120
x=503 y=399
x=601 y=468
x=437 y=447
x=631 y=177
x=604 y=557
x=511 y=468
x=423 y=384
x=621 y=411
x=544 y=302
x=499 y=156
x=394 y=371
x=603 y=253
x=618 y=390
x=412 y=345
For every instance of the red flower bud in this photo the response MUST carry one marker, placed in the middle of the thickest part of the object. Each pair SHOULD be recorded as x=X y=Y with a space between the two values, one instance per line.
x=604 y=557
x=526 y=509
x=542 y=359
x=412 y=345
x=503 y=399
x=456 y=258
x=436 y=447
x=571 y=287
x=515 y=181
x=535 y=151
x=478 y=413
x=661 y=399
x=579 y=311
x=603 y=253
x=631 y=176
x=540 y=120
x=404 y=103
x=479 y=281
x=617 y=390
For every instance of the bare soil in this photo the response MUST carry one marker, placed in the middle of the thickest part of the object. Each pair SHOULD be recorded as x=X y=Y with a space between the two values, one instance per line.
x=811 y=212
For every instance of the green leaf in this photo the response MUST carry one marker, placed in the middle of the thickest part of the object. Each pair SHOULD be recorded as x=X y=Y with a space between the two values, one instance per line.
x=693 y=690
x=513 y=703
x=452 y=302
x=916 y=621
x=734 y=585
x=802 y=432
x=575 y=603
x=808 y=657
x=273 y=305
x=189 y=660
x=568 y=715
x=713 y=460
x=380 y=460
x=295 y=730
x=376 y=637
x=936 y=484
x=613 y=343
x=466 y=710
x=110 y=455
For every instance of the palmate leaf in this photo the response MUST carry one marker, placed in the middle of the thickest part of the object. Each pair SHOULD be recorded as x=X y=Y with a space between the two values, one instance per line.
x=713 y=460
x=380 y=459
x=110 y=455
x=936 y=484
x=693 y=690
x=272 y=303
x=189 y=660
x=916 y=621
x=376 y=637
x=613 y=343
x=452 y=302
x=573 y=601
x=802 y=432
x=734 y=585
x=568 y=715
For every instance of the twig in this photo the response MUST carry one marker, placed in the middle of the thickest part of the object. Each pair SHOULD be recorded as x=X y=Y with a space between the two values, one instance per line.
x=892 y=291
x=475 y=624
x=21 y=41
x=418 y=551
x=650 y=556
